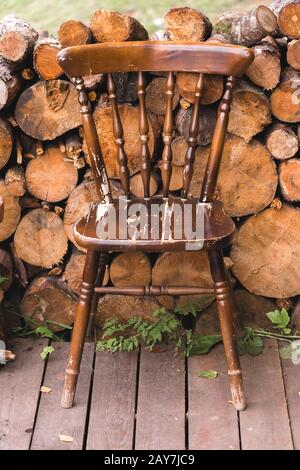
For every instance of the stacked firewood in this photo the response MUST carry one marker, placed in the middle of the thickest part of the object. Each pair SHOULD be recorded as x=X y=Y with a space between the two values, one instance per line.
x=46 y=181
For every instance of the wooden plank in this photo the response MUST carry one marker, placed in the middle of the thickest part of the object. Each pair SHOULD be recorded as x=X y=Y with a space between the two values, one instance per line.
x=265 y=423
x=161 y=402
x=291 y=377
x=213 y=422
x=20 y=383
x=52 y=420
x=111 y=423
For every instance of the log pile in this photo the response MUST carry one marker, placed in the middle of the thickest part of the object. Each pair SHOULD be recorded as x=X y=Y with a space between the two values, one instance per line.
x=46 y=182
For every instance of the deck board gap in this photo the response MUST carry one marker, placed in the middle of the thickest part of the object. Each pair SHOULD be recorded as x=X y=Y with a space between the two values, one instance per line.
x=136 y=396
x=186 y=391
x=285 y=395
x=87 y=418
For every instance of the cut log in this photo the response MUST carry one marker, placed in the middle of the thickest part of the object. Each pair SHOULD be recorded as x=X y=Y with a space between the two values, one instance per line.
x=17 y=38
x=49 y=301
x=265 y=69
x=130 y=121
x=295 y=318
x=176 y=182
x=252 y=310
x=187 y=24
x=74 y=33
x=250 y=111
x=125 y=307
x=73 y=144
x=92 y=82
x=266 y=253
x=126 y=87
x=212 y=87
x=183 y=269
x=179 y=149
x=289 y=179
x=49 y=177
x=247 y=29
x=248 y=177
x=15 y=181
x=12 y=212
x=10 y=84
x=40 y=239
x=130 y=269
x=156 y=99
x=137 y=187
x=74 y=271
x=285 y=99
x=6 y=142
x=288 y=17
x=282 y=141
x=47 y=110
x=110 y=26
x=207 y=123
x=78 y=206
x=44 y=59
x=293 y=54
x=6 y=270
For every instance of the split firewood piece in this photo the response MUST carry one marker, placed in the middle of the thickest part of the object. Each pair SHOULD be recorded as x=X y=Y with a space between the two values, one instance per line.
x=73 y=148
x=74 y=33
x=130 y=120
x=282 y=141
x=6 y=141
x=248 y=177
x=156 y=99
x=266 y=253
x=10 y=84
x=130 y=269
x=212 y=87
x=48 y=299
x=249 y=28
x=252 y=311
x=137 y=187
x=179 y=149
x=15 y=181
x=92 y=82
x=266 y=67
x=47 y=110
x=17 y=39
x=108 y=26
x=293 y=54
x=187 y=24
x=288 y=17
x=285 y=99
x=74 y=271
x=289 y=179
x=78 y=206
x=50 y=177
x=207 y=123
x=124 y=307
x=194 y=271
x=12 y=212
x=44 y=59
x=250 y=111
x=40 y=239
x=6 y=270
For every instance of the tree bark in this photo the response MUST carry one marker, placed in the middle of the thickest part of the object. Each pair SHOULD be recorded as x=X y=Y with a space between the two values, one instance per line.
x=12 y=212
x=44 y=59
x=156 y=100
x=15 y=181
x=17 y=39
x=207 y=123
x=6 y=142
x=10 y=84
x=265 y=69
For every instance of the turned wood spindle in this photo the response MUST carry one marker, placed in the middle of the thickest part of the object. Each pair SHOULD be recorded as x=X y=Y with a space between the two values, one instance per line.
x=144 y=134
x=168 y=136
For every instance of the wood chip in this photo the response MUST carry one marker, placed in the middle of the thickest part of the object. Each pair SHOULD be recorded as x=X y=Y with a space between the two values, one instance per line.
x=45 y=389
x=65 y=438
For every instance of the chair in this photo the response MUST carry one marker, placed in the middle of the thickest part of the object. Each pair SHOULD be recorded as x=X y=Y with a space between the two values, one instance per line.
x=218 y=232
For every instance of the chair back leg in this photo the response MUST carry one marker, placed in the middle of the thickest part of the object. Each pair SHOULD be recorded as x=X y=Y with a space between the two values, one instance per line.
x=225 y=311
x=98 y=283
x=80 y=327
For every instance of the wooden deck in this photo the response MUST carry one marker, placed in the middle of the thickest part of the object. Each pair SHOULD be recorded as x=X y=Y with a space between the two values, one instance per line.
x=147 y=401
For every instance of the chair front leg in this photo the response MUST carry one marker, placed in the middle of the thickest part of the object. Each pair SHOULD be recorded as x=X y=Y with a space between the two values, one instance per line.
x=223 y=297
x=80 y=327
x=99 y=281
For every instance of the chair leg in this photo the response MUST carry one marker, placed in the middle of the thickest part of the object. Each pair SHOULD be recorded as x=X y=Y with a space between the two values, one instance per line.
x=80 y=327
x=223 y=297
x=96 y=296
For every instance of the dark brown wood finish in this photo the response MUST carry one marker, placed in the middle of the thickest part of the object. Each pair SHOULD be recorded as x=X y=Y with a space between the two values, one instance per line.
x=204 y=58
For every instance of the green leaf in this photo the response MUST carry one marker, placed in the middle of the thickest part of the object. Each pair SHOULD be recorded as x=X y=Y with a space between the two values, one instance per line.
x=250 y=344
x=287 y=331
x=286 y=352
x=3 y=279
x=279 y=318
x=45 y=332
x=209 y=374
x=46 y=352
x=202 y=344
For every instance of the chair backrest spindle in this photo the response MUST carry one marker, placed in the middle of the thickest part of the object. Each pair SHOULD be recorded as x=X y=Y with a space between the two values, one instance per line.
x=168 y=136
x=144 y=135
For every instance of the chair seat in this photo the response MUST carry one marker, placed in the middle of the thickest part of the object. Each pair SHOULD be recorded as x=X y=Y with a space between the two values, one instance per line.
x=140 y=225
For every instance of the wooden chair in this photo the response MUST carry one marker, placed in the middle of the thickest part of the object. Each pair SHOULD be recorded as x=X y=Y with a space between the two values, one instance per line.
x=203 y=58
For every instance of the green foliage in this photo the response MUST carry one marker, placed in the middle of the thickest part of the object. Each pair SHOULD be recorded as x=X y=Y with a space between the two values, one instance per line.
x=209 y=374
x=251 y=343
x=291 y=351
x=201 y=344
x=192 y=307
x=3 y=279
x=46 y=352
x=280 y=320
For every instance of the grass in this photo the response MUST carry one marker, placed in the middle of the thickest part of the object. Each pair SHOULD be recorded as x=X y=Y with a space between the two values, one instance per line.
x=49 y=14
